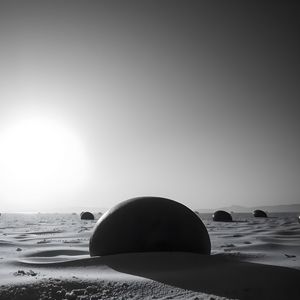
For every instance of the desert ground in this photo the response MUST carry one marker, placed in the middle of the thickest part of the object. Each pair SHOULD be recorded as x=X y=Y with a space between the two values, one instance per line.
x=46 y=256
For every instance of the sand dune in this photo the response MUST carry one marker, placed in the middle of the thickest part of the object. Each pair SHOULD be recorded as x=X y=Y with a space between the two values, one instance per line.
x=46 y=257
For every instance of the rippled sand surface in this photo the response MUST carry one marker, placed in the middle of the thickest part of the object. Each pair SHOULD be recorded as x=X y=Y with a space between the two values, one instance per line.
x=45 y=256
x=274 y=241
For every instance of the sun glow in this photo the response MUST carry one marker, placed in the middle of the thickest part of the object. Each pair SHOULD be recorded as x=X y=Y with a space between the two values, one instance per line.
x=40 y=158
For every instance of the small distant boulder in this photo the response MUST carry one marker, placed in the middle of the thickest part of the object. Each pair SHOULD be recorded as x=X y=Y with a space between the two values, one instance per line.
x=86 y=215
x=259 y=214
x=147 y=224
x=222 y=216
x=299 y=219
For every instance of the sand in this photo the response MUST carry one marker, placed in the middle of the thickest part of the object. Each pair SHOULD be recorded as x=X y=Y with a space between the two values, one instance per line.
x=45 y=256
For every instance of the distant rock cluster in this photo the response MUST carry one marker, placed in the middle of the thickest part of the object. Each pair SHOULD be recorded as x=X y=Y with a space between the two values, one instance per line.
x=224 y=216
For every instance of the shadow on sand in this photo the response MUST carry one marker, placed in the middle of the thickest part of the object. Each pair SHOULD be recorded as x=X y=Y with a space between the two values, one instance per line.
x=210 y=274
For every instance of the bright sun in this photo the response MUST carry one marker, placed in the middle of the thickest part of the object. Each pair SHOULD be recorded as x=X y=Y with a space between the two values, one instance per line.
x=40 y=158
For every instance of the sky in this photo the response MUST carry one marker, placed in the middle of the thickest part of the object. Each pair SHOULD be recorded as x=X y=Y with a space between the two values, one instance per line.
x=101 y=101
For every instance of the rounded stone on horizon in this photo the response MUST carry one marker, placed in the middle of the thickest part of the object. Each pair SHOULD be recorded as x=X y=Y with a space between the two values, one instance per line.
x=147 y=224
x=258 y=213
x=222 y=216
x=86 y=215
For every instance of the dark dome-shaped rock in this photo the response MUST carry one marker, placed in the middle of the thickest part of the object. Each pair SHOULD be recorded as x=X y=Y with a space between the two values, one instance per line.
x=86 y=216
x=147 y=224
x=259 y=214
x=222 y=216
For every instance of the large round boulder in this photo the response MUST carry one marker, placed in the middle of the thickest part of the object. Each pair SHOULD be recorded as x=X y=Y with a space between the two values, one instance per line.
x=299 y=219
x=147 y=224
x=86 y=215
x=222 y=216
x=259 y=214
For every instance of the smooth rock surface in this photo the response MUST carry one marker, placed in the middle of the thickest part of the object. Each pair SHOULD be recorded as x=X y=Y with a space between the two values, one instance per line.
x=259 y=214
x=222 y=216
x=86 y=216
x=147 y=224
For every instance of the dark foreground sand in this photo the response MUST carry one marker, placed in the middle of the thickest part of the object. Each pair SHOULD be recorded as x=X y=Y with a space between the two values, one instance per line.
x=46 y=257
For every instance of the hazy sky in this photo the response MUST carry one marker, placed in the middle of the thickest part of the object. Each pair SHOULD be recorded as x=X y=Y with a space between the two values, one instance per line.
x=101 y=101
